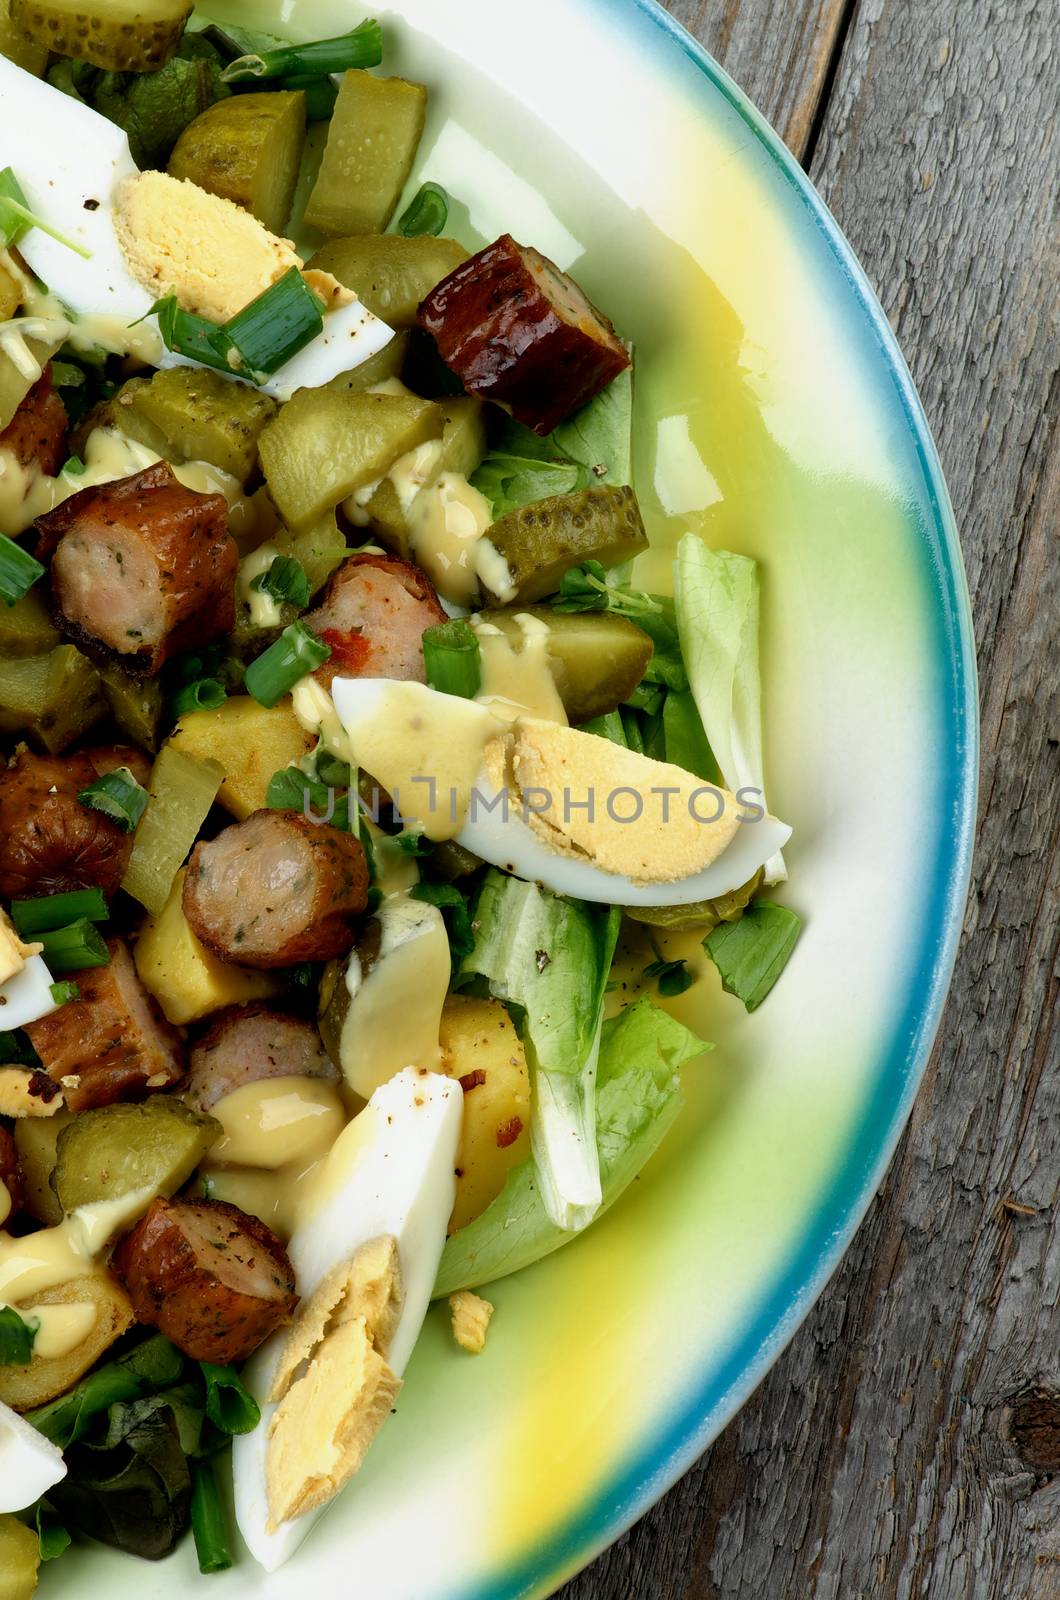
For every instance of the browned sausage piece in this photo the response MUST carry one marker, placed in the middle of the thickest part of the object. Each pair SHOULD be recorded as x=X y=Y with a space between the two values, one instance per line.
x=275 y=890
x=517 y=330
x=36 y=434
x=212 y=1279
x=49 y=841
x=373 y=614
x=112 y=1043
x=142 y=568
x=10 y=1176
x=246 y=1044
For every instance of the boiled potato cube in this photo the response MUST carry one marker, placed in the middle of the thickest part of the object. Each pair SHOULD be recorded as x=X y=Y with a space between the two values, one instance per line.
x=186 y=980
x=45 y=1377
x=36 y=1139
x=19 y=1559
x=250 y=741
x=481 y=1047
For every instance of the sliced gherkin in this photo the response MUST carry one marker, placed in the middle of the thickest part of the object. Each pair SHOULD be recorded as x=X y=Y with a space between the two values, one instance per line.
x=541 y=542
x=390 y=274
x=704 y=914
x=248 y=149
x=119 y=35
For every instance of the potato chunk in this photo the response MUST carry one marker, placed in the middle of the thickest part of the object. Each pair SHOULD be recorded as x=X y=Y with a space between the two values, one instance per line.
x=481 y=1047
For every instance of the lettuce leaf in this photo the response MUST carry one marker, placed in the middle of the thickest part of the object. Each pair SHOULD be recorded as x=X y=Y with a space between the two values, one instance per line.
x=592 y=447
x=638 y=1098
x=717 y=601
x=550 y=958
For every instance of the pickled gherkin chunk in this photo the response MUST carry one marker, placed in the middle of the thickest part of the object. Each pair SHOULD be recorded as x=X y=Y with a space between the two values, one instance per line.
x=321 y=549
x=137 y=705
x=30 y=55
x=541 y=542
x=118 y=1150
x=461 y=449
x=702 y=914
x=372 y=141
x=52 y=699
x=119 y=35
x=247 y=149
x=388 y=273
x=595 y=658
x=192 y=414
x=324 y=445
x=26 y=629
x=380 y=368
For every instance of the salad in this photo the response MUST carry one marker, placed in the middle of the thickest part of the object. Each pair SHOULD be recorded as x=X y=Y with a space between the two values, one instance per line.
x=345 y=767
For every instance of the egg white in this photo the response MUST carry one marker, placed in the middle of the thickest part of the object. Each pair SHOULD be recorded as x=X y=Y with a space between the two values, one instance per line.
x=27 y=996
x=505 y=840
x=390 y=1172
x=30 y=1464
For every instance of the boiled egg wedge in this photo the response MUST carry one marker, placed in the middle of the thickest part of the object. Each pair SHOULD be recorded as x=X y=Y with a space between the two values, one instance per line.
x=70 y=162
x=27 y=996
x=391 y=1173
x=551 y=804
x=30 y=1464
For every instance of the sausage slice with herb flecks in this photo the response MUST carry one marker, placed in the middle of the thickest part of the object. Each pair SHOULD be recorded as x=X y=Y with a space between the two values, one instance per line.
x=275 y=890
x=248 y=1044
x=49 y=841
x=373 y=615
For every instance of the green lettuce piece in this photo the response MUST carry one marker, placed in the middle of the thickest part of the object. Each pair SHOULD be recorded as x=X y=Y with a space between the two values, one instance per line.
x=750 y=954
x=550 y=958
x=717 y=601
x=592 y=447
x=638 y=1098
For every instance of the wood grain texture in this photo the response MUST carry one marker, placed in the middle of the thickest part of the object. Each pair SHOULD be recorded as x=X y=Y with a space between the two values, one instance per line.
x=907 y=1445
x=779 y=53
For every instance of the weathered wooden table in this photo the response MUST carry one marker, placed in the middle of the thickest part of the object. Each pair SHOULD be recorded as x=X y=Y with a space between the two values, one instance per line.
x=907 y=1445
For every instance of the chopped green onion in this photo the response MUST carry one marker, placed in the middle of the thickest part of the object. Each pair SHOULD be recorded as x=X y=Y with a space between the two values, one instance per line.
x=72 y=467
x=411 y=843
x=686 y=743
x=208 y=1522
x=229 y=1405
x=453 y=658
x=204 y=695
x=16 y=218
x=187 y=335
x=117 y=795
x=75 y=947
x=361 y=48
x=63 y=993
x=19 y=571
x=296 y=653
x=52 y=1536
x=428 y=213
x=320 y=95
x=16 y=1338
x=276 y=325
x=56 y=910
x=285 y=580
x=752 y=953
x=610 y=726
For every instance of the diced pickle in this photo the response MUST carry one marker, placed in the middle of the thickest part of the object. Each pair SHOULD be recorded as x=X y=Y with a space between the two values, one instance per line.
x=120 y=35
x=321 y=548
x=463 y=445
x=26 y=629
x=704 y=914
x=29 y=54
x=389 y=273
x=181 y=791
x=15 y=384
x=52 y=699
x=596 y=659
x=324 y=445
x=19 y=1559
x=372 y=141
x=541 y=542
x=137 y=705
x=117 y=1150
x=36 y=1139
x=192 y=414
x=247 y=149
x=377 y=369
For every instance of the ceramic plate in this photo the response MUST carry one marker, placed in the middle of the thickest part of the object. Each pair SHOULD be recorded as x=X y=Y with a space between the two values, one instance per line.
x=776 y=417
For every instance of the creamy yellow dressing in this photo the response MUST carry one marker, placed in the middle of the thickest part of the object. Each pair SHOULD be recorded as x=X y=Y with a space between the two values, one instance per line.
x=277 y=1198
x=265 y=612
x=396 y=871
x=395 y=1008
x=517 y=680
x=315 y=710
x=447 y=521
x=27 y=493
x=61 y=1329
x=278 y=1122
x=416 y=735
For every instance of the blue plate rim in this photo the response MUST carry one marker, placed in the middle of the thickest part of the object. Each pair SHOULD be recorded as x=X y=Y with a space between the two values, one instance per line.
x=700 y=1417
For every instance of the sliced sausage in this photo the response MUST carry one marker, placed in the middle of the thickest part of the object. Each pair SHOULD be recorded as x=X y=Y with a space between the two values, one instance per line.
x=517 y=330
x=374 y=614
x=141 y=568
x=10 y=1176
x=112 y=1043
x=275 y=890
x=49 y=841
x=36 y=434
x=212 y=1279
x=246 y=1044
